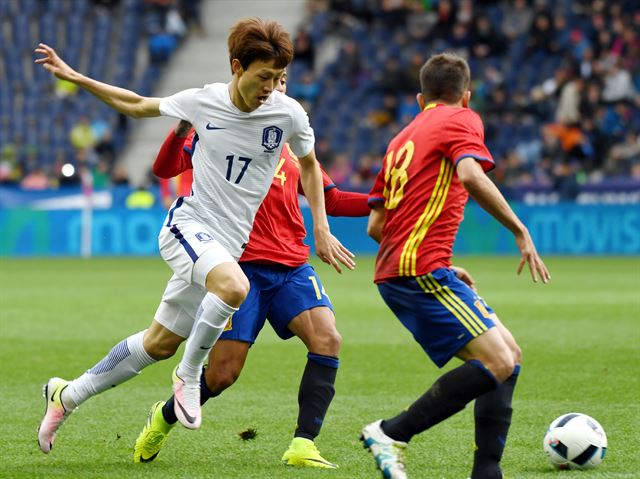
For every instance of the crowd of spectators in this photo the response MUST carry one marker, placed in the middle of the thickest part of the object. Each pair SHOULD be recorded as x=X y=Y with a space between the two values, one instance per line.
x=555 y=82
x=52 y=133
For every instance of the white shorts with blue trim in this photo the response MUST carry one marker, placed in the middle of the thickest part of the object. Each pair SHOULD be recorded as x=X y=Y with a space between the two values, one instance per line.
x=191 y=252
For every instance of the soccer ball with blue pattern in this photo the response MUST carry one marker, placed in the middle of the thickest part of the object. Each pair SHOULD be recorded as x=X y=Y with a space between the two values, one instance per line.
x=575 y=441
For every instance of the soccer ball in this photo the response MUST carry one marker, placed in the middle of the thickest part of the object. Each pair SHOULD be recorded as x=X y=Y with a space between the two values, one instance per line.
x=575 y=441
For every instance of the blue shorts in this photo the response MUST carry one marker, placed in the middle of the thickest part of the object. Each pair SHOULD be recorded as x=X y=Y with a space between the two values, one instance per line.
x=441 y=311
x=279 y=294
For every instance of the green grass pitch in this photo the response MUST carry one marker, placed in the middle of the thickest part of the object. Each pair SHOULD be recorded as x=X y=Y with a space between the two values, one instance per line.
x=580 y=336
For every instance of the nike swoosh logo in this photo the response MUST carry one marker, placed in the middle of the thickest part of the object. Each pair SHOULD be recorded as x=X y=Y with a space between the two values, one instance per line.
x=318 y=460
x=211 y=127
x=149 y=459
x=189 y=418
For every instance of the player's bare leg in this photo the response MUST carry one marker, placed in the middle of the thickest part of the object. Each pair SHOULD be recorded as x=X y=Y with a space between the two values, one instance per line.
x=227 y=287
x=316 y=328
x=125 y=360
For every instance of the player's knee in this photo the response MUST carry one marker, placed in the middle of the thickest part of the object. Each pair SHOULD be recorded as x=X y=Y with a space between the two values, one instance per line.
x=334 y=341
x=327 y=342
x=160 y=347
x=502 y=366
x=517 y=354
x=233 y=289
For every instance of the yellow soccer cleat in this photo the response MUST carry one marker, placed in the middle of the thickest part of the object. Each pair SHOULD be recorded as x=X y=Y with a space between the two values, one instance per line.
x=304 y=453
x=153 y=435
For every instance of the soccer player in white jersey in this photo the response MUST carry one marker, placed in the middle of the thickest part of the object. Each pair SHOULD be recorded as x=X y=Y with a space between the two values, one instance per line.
x=242 y=127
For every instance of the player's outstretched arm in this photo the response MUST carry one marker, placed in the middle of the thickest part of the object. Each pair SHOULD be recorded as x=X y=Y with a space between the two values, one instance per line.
x=328 y=248
x=120 y=99
x=346 y=203
x=478 y=184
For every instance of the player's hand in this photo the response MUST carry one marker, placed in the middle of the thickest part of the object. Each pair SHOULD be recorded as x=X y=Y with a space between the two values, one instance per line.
x=331 y=251
x=463 y=275
x=53 y=63
x=529 y=255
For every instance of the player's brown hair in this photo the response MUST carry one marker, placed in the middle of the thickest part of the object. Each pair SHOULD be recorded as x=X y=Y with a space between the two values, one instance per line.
x=445 y=77
x=254 y=39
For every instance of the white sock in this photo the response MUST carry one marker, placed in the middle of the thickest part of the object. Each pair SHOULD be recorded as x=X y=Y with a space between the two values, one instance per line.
x=210 y=322
x=125 y=360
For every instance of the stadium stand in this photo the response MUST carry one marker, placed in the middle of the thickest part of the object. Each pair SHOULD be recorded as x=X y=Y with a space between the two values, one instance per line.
x=44 y=123
x=555 y=82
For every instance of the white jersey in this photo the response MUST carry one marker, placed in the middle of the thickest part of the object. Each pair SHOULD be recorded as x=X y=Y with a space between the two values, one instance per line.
x=235 y=157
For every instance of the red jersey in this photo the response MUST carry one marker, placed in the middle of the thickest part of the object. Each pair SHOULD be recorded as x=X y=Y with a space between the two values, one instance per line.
x=423 y=198
x=278 y=228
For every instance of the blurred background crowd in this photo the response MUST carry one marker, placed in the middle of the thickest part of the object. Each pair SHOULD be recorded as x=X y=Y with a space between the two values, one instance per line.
x=556 y=83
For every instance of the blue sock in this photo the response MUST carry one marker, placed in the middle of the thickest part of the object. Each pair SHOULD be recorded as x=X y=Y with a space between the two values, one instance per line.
x=315 y=394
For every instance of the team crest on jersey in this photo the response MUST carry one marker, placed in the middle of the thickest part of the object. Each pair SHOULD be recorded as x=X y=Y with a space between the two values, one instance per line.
x=204 y=237
x=271 y=137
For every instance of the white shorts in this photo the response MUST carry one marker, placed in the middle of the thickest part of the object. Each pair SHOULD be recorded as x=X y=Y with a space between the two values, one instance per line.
x=191 y=252
x=179 y=305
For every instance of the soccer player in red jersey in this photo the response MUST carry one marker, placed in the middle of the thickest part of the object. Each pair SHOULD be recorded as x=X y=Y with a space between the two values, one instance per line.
x=429 y=170
x=284 y=289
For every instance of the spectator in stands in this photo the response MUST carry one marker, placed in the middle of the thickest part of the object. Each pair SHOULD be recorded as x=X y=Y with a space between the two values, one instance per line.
x=10 y=171
x=349 y=65
x=341 y=170
x=446 y=18
x=191 y=13
x=365 y=173
x=568 y=109
x=324 y=153
x=392 y=78
x=304 y=49
x=542 y=38
x=460 y=39
x=81 y=135
x=407 y=109
x=307 y=88
x=623 y=156
x=161 y=46
x=36 y=179
x=516 y=20
x=618 y=85
x=141 y=198
x=487 y=42
x=174 y=24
